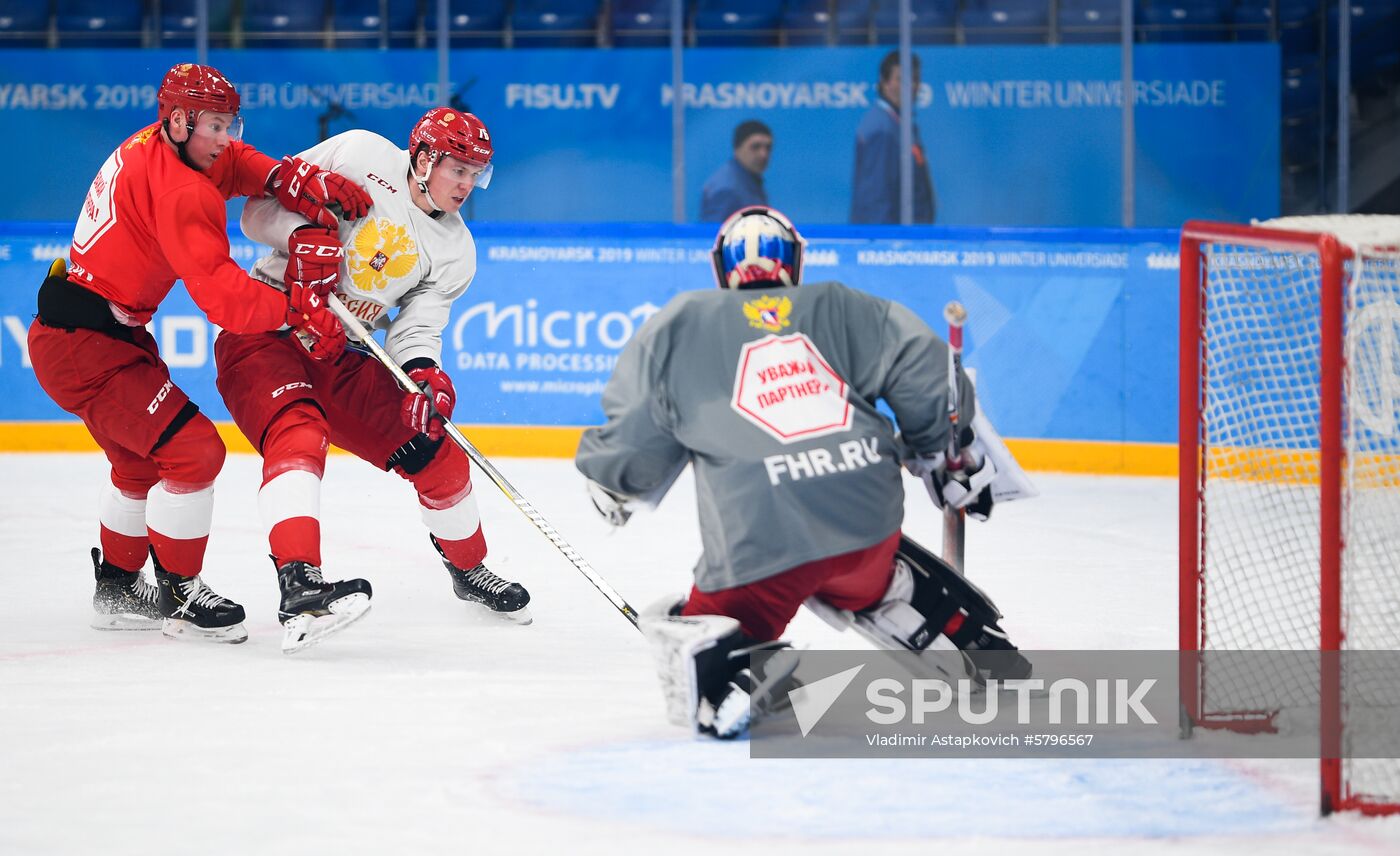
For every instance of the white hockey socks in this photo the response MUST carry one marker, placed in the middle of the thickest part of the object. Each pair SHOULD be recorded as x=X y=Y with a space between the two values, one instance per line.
x=122 y=518
x=178 y=518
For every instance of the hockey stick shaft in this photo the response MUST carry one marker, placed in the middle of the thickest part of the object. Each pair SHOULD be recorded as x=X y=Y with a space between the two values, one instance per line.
x=358 y=331
x=954 y=519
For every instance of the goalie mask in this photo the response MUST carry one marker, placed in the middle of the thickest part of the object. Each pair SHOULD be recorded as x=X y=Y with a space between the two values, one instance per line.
x=758 y=247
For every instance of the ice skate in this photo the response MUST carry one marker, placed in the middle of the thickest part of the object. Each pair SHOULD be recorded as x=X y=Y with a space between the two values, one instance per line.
x=753 y=695
x=192 y=610
x=478 y=585
x=312 y=608
x=123 y=600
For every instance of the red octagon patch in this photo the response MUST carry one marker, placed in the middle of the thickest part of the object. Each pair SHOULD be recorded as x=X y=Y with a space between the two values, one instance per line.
x=785 y=386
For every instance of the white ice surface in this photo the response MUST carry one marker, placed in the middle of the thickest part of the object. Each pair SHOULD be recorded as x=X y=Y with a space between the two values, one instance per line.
x=432 y=727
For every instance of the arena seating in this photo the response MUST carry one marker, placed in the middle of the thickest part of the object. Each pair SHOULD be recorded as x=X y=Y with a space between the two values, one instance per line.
x=99 y=23
x=276 y=23
x=555 y=23
x=727 y=23
x=24 y=24
x=1023 y=22
x=470 y=23
x=175 y=25
x=935 y=22
x=641 y=23
x=368 y=24
x=1082 y=22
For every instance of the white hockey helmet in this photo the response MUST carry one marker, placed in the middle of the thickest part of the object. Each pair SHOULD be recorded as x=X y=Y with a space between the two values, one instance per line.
x=758 y=247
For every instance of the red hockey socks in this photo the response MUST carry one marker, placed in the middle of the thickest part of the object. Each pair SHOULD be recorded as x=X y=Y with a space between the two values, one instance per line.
x=294 y=459
x=180 y=508
x=122 y=514
x=449 y=508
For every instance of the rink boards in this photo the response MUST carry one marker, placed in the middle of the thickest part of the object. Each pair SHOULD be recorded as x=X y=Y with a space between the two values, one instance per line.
x=1072 y=333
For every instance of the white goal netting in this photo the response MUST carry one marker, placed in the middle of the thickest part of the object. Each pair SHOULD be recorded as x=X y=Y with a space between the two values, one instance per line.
x=1261 y=497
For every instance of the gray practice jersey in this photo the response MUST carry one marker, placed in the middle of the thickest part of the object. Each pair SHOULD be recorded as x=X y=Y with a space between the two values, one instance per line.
x=771 y=394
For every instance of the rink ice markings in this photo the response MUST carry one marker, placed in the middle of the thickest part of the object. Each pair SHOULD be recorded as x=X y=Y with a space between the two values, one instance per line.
x=1099 y=801
x=566 y=686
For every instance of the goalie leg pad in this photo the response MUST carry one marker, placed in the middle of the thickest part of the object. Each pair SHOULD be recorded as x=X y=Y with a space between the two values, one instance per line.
x=929 y=606
x=836 y=618
x=703 y=664
x=969 y=596
x=691 y=653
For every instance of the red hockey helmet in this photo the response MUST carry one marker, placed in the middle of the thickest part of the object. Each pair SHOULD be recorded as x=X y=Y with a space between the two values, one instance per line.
x=447 y=131
x=196 y=89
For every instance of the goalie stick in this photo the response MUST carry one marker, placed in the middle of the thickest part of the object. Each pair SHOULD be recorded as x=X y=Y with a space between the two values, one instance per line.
x=357 y=329
x=954 y=519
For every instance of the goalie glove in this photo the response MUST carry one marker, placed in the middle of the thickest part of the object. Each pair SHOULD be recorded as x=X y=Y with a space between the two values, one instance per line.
x=317 y=194
x=967 y=486
x=615 y=508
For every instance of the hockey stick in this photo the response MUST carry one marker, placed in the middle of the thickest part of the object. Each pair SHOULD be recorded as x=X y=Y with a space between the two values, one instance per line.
x=954 y=519
x=352 y=325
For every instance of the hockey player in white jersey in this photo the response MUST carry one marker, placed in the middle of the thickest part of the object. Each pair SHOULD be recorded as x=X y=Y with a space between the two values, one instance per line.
x=414 y=254
x=769 y=391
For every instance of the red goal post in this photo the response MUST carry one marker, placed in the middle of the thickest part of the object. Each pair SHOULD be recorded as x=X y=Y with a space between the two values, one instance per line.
x=1289 y=493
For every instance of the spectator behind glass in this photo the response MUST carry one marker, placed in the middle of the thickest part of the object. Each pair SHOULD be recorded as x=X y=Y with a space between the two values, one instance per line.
x=739 y=182
x=875 y=185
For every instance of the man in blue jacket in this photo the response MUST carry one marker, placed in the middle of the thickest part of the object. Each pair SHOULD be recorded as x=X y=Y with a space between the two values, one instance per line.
x=739 y=183
x=875 y=187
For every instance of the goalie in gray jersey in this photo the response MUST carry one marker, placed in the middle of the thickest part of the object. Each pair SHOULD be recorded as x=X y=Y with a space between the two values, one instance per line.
x=770 y=391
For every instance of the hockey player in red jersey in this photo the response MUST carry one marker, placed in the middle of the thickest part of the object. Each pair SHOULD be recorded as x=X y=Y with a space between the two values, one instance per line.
x=410 y=258
x=155 y=213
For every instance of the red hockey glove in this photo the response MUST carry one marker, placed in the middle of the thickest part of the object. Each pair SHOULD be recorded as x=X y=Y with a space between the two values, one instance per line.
x=313 y=260
x=317 y=194
x=425 y=411
x=315 y=325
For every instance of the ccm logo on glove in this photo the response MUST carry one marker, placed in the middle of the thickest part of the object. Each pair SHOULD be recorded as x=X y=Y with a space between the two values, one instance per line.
x=319 y=250
x=425 y=411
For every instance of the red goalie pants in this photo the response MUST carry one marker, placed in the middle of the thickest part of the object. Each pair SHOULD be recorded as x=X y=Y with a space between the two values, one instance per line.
x=854 y=581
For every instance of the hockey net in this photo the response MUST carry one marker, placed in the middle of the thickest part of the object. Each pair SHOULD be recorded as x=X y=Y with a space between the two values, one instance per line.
x=1290 y=480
